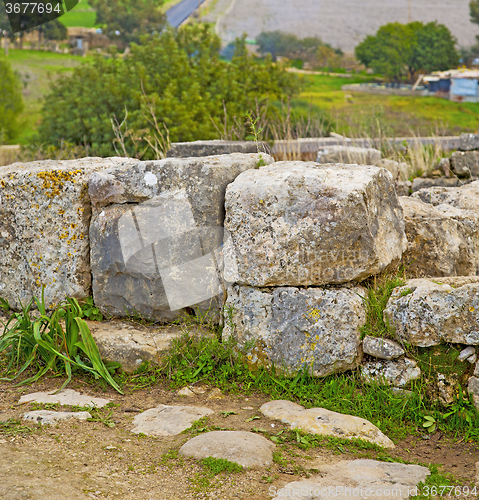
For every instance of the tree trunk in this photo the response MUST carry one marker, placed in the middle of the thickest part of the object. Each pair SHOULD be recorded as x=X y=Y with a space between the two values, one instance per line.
x=6 y=45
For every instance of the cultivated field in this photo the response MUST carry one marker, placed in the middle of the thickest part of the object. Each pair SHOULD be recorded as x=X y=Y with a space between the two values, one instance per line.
x=342 y=23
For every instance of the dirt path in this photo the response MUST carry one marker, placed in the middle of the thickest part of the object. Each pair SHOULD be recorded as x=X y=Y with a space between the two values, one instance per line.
x=82 y=460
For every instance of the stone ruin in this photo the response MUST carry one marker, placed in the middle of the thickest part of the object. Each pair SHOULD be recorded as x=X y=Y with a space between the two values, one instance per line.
x=289 y=243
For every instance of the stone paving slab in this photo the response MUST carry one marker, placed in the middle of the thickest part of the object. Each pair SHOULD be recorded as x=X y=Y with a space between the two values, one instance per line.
x=66 y=397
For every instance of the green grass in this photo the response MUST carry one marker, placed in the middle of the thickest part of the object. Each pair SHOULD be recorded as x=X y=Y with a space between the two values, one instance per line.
x=37 y=71
x=394 y=115
x=208 y=360
x=82 y=15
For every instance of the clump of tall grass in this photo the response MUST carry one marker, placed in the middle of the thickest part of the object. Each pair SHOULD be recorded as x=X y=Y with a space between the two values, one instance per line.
x=59 y=342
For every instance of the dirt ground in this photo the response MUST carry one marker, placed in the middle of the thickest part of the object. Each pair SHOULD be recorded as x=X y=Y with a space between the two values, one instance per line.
x=81 y=460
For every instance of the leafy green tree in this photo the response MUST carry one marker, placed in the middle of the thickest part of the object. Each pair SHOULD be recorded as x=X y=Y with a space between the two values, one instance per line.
x=128 y=20
x=278 y=43
x=177 y=79
x=474 y=11
x=397 y=49
x=11 y=102
x=434 y=48
x=54 y=30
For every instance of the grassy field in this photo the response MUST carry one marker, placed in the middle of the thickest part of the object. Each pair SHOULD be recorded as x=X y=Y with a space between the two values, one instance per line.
x=37 y=70
x=81 y=15
x=358 y=114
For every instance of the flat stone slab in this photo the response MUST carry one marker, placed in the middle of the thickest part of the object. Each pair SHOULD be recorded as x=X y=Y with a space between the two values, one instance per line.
x=167 y=420
x=65 y=397
x=382 y=348
x=52 y=417
x=363 y=478
x=131 y=345
x=244 y=448
x=426 y=312
x=396 y=373
x=325 y=422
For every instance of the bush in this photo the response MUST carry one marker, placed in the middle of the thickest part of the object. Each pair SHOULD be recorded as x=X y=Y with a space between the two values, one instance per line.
x=11 y=102
x=172 y=84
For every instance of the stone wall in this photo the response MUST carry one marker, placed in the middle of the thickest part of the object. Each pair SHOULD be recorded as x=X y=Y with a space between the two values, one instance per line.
x=290 y=242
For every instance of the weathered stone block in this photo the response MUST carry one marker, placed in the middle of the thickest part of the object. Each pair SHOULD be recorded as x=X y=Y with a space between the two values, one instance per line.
x=294 y=328
x=423 y=183
x=465 y=197
x=465 y=164
x=156 y=234
x=400 y=171
x=397 y=373
x=382 y=348
x=426 y=312
x=44 y=221
x=131 y=345
x=469 y=142
x=442 y=240
x=349 y=154
x=303 y=224
x=216 y=147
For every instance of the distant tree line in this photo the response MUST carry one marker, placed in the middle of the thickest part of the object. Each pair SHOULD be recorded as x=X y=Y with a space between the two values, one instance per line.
x=310 y=49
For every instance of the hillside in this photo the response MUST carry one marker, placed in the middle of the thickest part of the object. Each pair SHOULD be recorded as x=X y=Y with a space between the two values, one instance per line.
x=342 y=23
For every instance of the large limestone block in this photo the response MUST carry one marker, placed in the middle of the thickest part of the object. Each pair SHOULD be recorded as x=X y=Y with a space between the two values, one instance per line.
x=295 y=328
x=325 y=422
x=426 y=312
x=465 y=197
x=303 y=224
x=44 y=222
x=442 y=240
x=156 y=234
x=349 y=154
